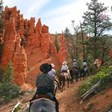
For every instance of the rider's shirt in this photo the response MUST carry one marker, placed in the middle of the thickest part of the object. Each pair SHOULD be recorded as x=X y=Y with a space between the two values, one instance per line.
x=52 y=73
x=64 y=67
x=84 y=64
x=75 y=65
x=44 y=80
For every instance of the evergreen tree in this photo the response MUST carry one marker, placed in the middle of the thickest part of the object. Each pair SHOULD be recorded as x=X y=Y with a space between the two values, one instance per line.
x=8 y=75
x=1 y=7
x=57 y=43
x=1 y=11
x=95 y=23
x=67 y=33
x=1 y=28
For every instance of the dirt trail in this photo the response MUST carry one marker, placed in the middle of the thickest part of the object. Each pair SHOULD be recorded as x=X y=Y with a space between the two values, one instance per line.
x=65 y=99
x=68 y=100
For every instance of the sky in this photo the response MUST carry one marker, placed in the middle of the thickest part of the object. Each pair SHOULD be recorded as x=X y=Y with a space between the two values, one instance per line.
x=57 y=14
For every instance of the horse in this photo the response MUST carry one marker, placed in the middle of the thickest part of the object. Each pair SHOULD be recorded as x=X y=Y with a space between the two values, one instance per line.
x=84 y=71
x=43 y=105
x=44 y=101
x=63 y=77
x=74 y=74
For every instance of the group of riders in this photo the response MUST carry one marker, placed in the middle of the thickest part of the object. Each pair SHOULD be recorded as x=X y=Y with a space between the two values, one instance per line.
x=45 y=82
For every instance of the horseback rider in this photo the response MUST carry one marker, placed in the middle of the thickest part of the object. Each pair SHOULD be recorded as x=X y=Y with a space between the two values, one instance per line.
x=75 y=64
x=64 y=67
x=84 y=64
x=65 y=74
x=85 y=67
x=45 y=84
x=53 y=74
x=96 y=63
x=75 y=69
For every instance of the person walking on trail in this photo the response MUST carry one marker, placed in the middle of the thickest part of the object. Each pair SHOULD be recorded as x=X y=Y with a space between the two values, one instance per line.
x=45 y=85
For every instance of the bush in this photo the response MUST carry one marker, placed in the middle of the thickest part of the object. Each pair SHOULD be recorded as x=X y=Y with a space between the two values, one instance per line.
x=105 y=75
x=1 y=75
x=8 y=73
x=8 y=91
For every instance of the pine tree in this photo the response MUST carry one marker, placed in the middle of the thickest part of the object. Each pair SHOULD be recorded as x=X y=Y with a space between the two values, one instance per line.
x=1 y=7
x=95 y=23
x=1 y=11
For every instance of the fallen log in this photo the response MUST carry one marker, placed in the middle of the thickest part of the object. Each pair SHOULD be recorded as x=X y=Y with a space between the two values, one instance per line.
x=90 y=91
x=20 y=107
x=16 y=106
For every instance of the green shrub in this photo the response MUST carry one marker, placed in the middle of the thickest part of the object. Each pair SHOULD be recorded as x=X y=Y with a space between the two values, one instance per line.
x=105 y=75
x=8 y=74
x=8 y=91
x=1 y=75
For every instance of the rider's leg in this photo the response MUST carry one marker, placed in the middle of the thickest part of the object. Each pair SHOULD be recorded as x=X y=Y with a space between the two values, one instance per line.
x=57 y=104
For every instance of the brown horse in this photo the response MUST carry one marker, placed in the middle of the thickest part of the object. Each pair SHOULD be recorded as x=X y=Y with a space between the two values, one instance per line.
x=63 y=77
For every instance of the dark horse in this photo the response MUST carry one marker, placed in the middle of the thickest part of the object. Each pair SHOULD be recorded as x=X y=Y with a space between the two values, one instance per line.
x=74 y=74
x=42 y=105
x=63 y=77
x=84 y=71
x=44 y=102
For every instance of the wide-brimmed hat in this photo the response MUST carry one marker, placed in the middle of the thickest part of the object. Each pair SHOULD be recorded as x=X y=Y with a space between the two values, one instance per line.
x=74 y=60
x=53 y=65
x=45 y=68
x=65 y=62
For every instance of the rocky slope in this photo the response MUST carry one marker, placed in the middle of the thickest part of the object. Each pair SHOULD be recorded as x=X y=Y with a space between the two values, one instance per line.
x=27 y=45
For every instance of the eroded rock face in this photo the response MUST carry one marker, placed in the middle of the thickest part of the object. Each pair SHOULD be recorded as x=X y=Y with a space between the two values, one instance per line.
x=28 y=46
x=63 y=51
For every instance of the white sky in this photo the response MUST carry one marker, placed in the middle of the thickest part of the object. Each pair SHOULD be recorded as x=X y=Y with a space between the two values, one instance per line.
x=57 y=14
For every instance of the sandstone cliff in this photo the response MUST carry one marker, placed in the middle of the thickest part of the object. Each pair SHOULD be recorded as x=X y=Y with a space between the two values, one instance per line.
x=28 y=45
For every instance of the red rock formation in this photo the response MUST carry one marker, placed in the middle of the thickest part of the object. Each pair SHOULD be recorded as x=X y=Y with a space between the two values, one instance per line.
x=9 y=41
x=19 y=63
x=28 y=46
x=63 y=50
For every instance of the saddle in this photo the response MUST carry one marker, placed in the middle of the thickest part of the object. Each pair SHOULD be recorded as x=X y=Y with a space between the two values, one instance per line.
x=66 y=75
x=43 y=97
x=39 y=96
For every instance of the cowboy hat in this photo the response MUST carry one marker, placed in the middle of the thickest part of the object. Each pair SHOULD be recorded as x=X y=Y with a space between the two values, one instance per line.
x=45 y=68
x=53 y=65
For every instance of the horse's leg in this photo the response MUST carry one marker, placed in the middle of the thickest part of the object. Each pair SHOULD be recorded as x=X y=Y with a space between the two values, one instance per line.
x=76 y=76
x=60 y=80
x=55 y=86
x=72 y=77
x=58 y=84
x=64 y=80
x=68 y=82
